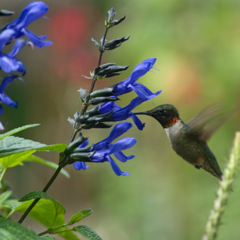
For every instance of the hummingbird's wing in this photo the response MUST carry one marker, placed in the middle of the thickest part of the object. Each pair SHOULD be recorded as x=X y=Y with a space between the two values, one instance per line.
x=204 y=124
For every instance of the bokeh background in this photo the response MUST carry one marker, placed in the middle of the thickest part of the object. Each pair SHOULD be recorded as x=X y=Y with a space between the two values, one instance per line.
x=197 y=46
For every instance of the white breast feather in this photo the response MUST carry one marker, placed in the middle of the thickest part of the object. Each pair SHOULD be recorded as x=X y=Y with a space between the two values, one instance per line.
x=173 y=129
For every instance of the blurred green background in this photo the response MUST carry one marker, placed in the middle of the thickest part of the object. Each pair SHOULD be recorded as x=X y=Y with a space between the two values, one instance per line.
x=197 y=46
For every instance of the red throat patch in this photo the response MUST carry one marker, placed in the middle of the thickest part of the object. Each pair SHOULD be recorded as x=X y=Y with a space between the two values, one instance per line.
x=173 y=121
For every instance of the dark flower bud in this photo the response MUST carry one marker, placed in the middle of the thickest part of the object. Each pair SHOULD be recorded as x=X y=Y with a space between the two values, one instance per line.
x=82 y=118
x=80 y=156
x=112 y=69
x=85 y=149
x=103 y=66
x=79 y=140
x=106 y=92
x=100 y=117
x=115 y=43
x=96 y=125
x=4 y=12
x=111 y=14
x=116 y=22
x=111 y=75
x=94 y=111
x=98 y=100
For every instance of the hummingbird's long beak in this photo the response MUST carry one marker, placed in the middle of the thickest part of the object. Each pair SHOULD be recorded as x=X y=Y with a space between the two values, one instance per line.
x=141 y=113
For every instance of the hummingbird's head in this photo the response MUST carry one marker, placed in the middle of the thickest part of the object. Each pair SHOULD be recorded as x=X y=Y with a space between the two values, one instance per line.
x=165 y=114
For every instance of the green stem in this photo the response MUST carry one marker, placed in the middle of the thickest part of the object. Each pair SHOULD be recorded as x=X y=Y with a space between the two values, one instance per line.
x=37 y=199
x=42 y=233
x=223 y=192
x=51 y=232
x=99 y=62
x=2 y=174
x=71 y=139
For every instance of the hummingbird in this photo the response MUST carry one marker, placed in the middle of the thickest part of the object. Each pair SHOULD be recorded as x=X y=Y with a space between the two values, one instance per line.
x=188 y=140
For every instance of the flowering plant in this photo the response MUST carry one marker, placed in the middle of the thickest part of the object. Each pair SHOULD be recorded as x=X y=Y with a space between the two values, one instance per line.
x=14 y=151
x=99 y=110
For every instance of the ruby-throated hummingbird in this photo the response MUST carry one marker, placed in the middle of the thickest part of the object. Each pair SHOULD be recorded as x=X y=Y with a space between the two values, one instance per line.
x=189 y=140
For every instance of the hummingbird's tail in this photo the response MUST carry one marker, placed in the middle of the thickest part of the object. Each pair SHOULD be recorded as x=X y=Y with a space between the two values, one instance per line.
x=214 y=171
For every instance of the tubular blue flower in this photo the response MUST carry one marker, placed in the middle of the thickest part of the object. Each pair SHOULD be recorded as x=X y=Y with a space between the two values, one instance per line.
x=105 y=148
x=120 y=114
x=130 y=83
x=9 y=63
x=17 y=28
x=81 y=165
x=104 y=155
x=3 y=96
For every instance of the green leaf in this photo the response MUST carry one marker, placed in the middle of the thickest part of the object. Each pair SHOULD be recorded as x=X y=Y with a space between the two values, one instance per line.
x=39 y=194
x=11 y=230
x=17 y=130
x=43 y=212
x=80 y=215
x=10 y=145
x=59 y=147
x=15 y=159
x=14 y=150
x=34 y=158
x=4 y=196
x=87 y=232
x=47 y=238
x=4 y=234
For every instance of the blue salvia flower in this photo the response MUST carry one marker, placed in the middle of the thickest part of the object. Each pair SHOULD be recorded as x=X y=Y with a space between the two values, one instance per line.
x=8 y=62
x=4 y=98
x=120 y=114
x=130 y=83
x=105 y=148
x=17 y=28
x=81 y=165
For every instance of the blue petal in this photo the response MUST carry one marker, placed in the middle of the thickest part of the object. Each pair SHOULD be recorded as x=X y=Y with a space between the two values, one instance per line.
x=29 y=14
x=84 y=144
x=8 y=64
x=7 y=100
x=35 y=39
x=122 y=144
x=139 y=93
x=19 y=44
x=121 y=88
x=120 y=115
x=6 y=36
x=116 y=168
x=100 y=156
x=7 y=80
x=102 y=145
x=141 y=69
x=80 y=165
x=125 y=112
x=121 y=157
x=108 y=107
x=118 y=130
x=143 y=92
x=138 y=122
x=134 y=103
